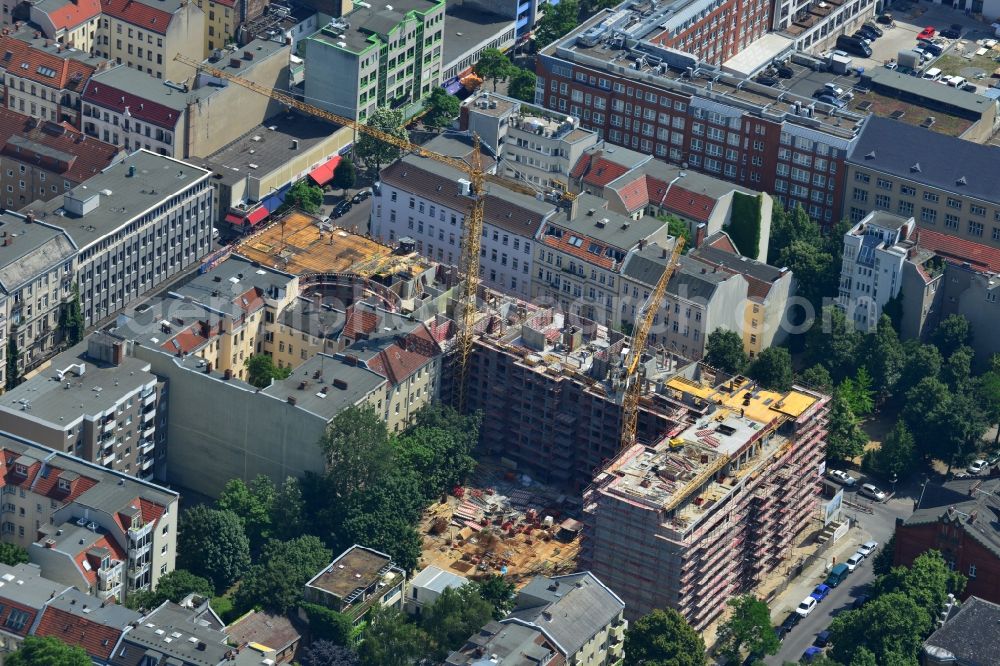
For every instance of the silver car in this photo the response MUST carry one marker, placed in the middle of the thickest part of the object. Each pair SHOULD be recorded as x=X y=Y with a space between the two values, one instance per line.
x=870 y=490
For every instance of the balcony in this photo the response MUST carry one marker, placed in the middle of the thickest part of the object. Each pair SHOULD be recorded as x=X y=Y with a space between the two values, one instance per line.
x=146 y=446
x=109 y=426
x=108 y=459
x=149 y=399
x=147 y=433
x=146 y=463
x=148 y=416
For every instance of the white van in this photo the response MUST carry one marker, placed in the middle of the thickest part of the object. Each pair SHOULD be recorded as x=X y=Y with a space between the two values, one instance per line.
x=932 y=74
x=956 y=81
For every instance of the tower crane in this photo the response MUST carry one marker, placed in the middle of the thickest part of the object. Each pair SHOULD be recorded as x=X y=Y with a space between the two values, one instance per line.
x=633 y=383
x=473 y=228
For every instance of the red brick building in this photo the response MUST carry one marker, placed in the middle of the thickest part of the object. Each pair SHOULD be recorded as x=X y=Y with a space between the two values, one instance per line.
x=961 y=519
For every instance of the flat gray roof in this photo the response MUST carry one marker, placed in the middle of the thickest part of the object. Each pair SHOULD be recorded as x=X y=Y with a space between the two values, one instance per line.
x=100 y=387
x=25 y=585
x=170 y=629
x=466 y=28
x=339 y=385
x=258 y=49
x=969 y=103
x=273 y=150
x=147 y=87
x=29 y=249
x=364 y=22
x=74 y=601
x=157 y=178
x=619 y=231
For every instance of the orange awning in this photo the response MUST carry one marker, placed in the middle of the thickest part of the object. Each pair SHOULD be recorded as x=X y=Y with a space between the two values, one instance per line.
x=323 y=174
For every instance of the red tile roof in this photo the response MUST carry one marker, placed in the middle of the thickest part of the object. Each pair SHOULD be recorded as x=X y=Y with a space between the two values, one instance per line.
x=8 y=605
x=185 y=341
x=721 y=241
x=602 y=171
x=400 y=360
x=98 y=640
x=139 y=108
x=981 y=257
x=28 y=140
x=360 y=322
x=151 y=511
x=72 y=14
x=23 y=60
x=635 y=194
x=138 y=14
x=692 y=205
x=581 y=167
x=249 y=301
x=564 y=245
x=90 y=572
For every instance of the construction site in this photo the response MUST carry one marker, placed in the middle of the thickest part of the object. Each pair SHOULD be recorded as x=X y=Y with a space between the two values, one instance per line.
x=503 y=523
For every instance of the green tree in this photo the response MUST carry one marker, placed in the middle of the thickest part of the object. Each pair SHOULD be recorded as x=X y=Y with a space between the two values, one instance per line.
x=253 y=503
x=898 y=454
x=744 y=224
x=494 y=66
x=678 y=228
x=328 y=625
x=963 y=425
x=453 y=617
x=522 y=85
x=817 y=377
x=288 y=511
x=858 y=392
x=13 y=356
x=71 y=318
x=442 y=108
x=773 y=369
x=47 y=651
x=389 y=639
x=345 y=176
x=921 y=361
x=812 y=268
x=305 y=195
x=357 y=449
x=891 y=627
x=375 y=152
x=261 y=370
x=884 y=358
x=928 y=582
x=882 y=564
x=663 y=638
x=284 y=567
x=863 y=657
x=788 y=227
x=845 y=439
x=834 y=343
x=211 y=544
x=893 y=309
x=499 y=592
x=558 y=20
x=987 y=390
x=172 y=586
x=439 y=448
x=953 y=332
x=957 y=370
x=724 y=351
x=11 y=554
x=748 y=628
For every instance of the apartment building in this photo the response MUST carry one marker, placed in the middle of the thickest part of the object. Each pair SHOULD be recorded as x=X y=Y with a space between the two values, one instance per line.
x=871 y=271
x=539 y=369
x=707 y=512
x=677 y=107
x=103 y=531
x=955 y=518
x=539 y=148
x=961 y=638
x=36 y=275
x=23 y=600
x=426 y=202
x=126 y=107
x=196 y=639
x=97 y=403
x=135 y=225
x=41 y=160
x=77 y=619
x=44 y=82
x=427 y=585
x=72 y=23
x=580 y=255
x=803 y=24
x=472 y=27
x=359 y=579
x=374 y=56
x=147 y=34
x=768 y=291
x=222 y=22
x=635 y=184
x=952 y=194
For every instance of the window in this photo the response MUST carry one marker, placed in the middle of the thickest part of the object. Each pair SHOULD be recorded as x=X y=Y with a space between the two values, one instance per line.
x=884 y=184
x=975 y=228
x=951 y=221
x=882 y=200
x=972 y=570
x=905 y=208
x=977 y=210
x=930 y=196
x=928 y=215
x=954 y=203
x=861 y=177
x=860 y=194
x=17 y=618
x=907 y=191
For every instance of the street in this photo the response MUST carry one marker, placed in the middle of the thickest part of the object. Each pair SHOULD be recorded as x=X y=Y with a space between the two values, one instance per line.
x=878 y=526
x=356 y=219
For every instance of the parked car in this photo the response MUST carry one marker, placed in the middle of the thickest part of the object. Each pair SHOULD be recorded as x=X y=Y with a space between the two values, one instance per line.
x=766 y=80
x=885 y=19
x=930 y=47
x=859 y=601
x=970 y=87
x=822 y=639
x=927 y=32
x=870 y=490
x=993 y=459
x=806 y=606
x=863 y=37
x=871 y=27
x=837 y=575
x=976 y=466
x=821 y=592
x=831 y=100
x=361 y=196
x=867 y=548
x=785 y=627
x=785 y=72
x=954 y=32
x=841 y=477
x=341 y=209
x=853 y=561
x=811 y=653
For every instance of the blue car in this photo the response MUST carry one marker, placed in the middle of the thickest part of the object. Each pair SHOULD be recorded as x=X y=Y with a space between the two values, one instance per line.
x=811 y=653
x=821 y=592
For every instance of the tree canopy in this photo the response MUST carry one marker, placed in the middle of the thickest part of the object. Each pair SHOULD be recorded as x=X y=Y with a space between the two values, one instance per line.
x=442 y=108
x=12 y=554
x=375 y=152
x=663 y=638
x=499 y=592
x=845 y=439
x=211 y=544
x=390 y=640
x=305 y=195
x=494 y=66
x=558 y=21
x=345 y=175
x=71 y=321
x=261 y=370
x=281 y=572
x=172 y=586
x=896 y=456
x=453 y=617
x=953 y=332
x=522 y=85
x=47 y=651
x=724 y=351
x=773 y=369
x=748 y=628
x=253 y=503
x=325 y=653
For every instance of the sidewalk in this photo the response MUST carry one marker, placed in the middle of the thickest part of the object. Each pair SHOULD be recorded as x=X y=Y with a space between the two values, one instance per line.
x=816 y=572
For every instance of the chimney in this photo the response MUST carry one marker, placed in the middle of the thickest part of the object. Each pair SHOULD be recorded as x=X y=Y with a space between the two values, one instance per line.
x=292 y=400
x=131 y=170
x=574 y=208
x=228 y=374
x=295 y=144
x=234 y=63
x=209 y=367
x=247 y=55
x=29 y=218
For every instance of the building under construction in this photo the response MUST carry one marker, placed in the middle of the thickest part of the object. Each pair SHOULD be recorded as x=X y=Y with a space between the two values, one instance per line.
x=705 y=513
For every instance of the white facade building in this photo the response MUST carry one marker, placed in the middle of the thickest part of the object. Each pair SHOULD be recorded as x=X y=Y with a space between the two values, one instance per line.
x=871 y=273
